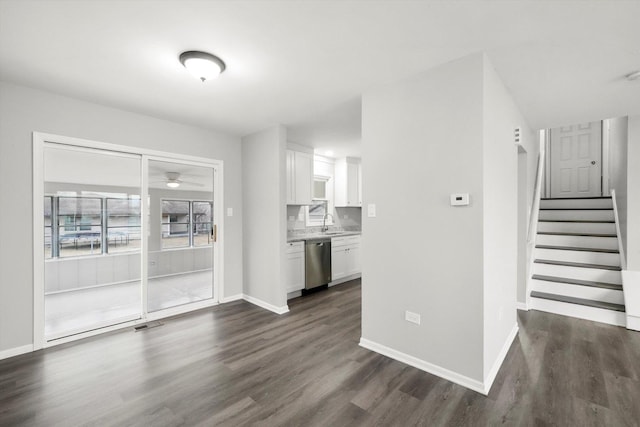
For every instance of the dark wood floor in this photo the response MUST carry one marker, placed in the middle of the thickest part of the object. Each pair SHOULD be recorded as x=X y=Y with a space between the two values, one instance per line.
x=237 y=364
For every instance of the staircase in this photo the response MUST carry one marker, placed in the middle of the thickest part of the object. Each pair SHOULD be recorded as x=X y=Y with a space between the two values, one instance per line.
x=576 y=268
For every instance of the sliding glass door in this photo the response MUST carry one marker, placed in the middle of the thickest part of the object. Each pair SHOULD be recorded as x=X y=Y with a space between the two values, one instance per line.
x=92 y=229
x=181 y=234
x=125 y=238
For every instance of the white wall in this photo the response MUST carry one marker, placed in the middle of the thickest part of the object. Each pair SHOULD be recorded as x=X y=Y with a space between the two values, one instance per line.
x=633 y=195
x=25 y=110
x=618 y=148
x=422 y=141
x=265 y=232
x=449 y=130
x=500 y=215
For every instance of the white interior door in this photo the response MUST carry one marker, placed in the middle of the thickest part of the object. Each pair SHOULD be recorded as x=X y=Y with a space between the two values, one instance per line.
x=576 y=161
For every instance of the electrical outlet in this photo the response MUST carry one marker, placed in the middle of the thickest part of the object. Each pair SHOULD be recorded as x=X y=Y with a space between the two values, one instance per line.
x=412 y=317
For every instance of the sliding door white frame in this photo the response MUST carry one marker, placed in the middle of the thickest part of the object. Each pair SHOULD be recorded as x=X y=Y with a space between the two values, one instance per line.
x=40 y=140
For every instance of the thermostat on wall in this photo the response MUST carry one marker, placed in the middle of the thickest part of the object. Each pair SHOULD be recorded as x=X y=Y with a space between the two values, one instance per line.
x=460 y=199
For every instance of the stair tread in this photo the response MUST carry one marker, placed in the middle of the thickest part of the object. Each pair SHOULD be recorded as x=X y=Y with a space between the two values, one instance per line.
x=576 y=248
x=612 y=286
x=574 y=198
x=579 y=301
x=577 y=264
x=565 y=233
x=590 y=221
x=576 y=209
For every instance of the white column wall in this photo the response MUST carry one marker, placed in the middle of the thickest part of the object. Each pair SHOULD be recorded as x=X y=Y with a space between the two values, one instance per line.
x=265 y=231
x=422 y=141
x=500 y=220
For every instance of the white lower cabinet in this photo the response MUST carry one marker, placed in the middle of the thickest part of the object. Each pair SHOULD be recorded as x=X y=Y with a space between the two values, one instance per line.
x=295 y=266
x=345 y=257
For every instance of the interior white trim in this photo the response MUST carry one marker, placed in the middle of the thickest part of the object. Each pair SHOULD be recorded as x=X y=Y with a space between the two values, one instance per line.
x=522 y=306
x=532 y=232
x=431 y=368
x=493 y=372
x=606 y=125
x=16 y=351
x=623 y=258
x=263 y=304
x=345 y=279
x=231 y=298
x=631 y=289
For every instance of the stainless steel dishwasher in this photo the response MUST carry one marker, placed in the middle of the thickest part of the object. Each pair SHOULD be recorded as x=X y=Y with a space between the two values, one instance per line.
x=317 y=256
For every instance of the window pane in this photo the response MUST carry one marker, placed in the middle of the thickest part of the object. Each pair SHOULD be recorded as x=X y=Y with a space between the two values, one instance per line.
x=123 y=224
x=202 y=211
x=47 y=225
x=319 y=189
x=80 y=226
x=317 y=210
x=175 y=224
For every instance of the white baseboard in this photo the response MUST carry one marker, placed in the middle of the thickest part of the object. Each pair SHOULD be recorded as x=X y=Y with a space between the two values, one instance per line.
x=345 y=279
x=491 y=376
x=231 y=298
x=16 y=351
x=294 y=294
x=522 y=306
x=424 y=366
x=266 y=305
x=631 y=289
x=633 y=323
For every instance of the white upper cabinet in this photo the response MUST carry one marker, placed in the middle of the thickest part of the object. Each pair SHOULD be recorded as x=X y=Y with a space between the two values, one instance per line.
x=347 y=183
x=299 y=178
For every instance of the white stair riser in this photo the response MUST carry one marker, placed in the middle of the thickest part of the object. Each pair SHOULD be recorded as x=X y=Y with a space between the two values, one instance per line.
x=578 y=256
x=577 y=227
x=578 y=241
x=577 y=215
x=576 y=203
x=578 y=291
x=592 y=274
x=580 y=311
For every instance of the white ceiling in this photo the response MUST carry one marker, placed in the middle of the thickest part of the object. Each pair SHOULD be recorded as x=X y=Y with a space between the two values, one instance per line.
x=305 y=64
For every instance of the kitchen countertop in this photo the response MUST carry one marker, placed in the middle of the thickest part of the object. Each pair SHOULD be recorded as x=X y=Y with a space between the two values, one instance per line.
x=314 y=236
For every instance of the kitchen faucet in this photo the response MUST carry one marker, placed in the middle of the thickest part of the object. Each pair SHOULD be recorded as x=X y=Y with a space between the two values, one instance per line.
x=324 y=221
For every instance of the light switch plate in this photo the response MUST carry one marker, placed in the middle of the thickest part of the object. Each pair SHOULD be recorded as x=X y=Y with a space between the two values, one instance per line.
x=229 y=211
x=412 y=317
x=371 y=210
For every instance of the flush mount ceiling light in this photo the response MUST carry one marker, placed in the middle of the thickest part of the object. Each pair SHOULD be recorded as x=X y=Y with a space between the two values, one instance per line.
x=633 y=76
x=203 y=65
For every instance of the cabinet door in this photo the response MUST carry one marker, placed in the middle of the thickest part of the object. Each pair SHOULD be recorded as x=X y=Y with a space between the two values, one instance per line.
x=295 y=272
x=303 y=170
x=353 y=185
x=353 y=260
x=338 y=263
x=290 y=178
